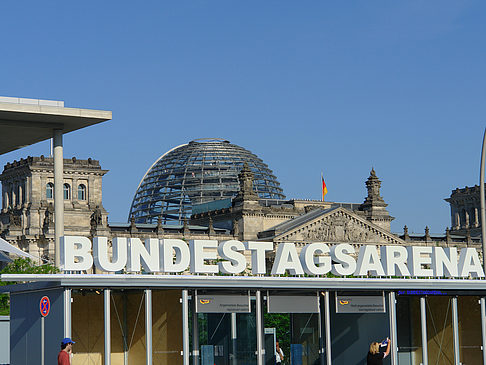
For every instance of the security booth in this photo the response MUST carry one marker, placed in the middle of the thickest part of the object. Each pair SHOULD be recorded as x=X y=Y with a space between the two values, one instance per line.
x=202 y=311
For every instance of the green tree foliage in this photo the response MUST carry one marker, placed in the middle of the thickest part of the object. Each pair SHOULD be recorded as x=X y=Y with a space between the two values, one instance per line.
x=21 y=266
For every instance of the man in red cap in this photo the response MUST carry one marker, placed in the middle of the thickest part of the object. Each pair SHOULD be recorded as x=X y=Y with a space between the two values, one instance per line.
x=64 y=356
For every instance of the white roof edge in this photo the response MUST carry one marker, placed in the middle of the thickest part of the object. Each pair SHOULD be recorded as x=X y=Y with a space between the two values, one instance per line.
x=199 y=281
x=15 y=100
x=55 y=110
x=11 y=249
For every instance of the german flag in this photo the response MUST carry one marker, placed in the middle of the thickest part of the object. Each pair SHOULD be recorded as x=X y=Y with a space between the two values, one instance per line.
x=324 y=187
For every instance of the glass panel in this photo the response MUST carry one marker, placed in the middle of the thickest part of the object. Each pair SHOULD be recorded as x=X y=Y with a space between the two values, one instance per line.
x=66 y=191
x=470 y=337
x=49 y=191
x=216 y=345
x=304 y=349
x=81 y=192
x=119 y=332
x=246 y=337
x=409 y=331
x=214 y=338
x=136 y=326
x=127 y=326
x=280 y=323
x=440 y=343
x=88 y=326
x=197 y=173
x=166 y=327
x=352 y=333
x=297 y=336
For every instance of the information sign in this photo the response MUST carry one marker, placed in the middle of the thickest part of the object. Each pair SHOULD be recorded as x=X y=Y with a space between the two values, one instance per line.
x=223 y=304
x=360 y=304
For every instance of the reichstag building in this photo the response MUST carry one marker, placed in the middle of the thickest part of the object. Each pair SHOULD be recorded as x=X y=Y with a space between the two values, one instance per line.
x=211 y=190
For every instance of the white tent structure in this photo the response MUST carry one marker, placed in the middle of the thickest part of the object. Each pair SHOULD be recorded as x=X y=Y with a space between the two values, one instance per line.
x=4 y=257
x=6 y=247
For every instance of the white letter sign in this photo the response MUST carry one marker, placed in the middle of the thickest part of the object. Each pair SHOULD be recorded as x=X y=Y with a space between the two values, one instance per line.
x=73 y=247
x=119 y=255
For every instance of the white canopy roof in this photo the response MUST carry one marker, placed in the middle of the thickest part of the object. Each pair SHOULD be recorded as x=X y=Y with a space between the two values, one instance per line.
x=27 y=121
x=4 y=257
x=7 y=247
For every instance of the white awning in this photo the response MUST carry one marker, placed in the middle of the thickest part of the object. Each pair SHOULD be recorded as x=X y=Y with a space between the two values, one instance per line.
x=4 y=257
x=7 y=247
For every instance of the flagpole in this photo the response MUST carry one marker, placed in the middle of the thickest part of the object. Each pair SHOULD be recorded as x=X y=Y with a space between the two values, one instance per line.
x=323 y=187
x=322 y=190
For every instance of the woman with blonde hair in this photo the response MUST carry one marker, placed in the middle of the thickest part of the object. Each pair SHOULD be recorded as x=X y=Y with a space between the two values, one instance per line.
x=375 y=357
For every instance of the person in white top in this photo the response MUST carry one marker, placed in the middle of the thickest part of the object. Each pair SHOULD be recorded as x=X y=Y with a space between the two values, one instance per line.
x=279 y=356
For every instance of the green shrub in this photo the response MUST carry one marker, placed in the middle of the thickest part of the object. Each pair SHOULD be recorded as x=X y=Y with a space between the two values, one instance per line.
x=21 y=266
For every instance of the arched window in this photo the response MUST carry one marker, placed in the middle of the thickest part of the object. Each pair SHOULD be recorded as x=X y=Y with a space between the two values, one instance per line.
x=50 y=191
x=81 y=192
x=67 y=192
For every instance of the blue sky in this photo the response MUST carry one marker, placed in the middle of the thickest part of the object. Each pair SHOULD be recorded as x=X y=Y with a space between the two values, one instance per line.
x=308 y=86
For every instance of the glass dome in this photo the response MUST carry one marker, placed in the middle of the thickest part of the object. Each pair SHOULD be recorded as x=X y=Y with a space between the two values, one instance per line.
x=200 y=171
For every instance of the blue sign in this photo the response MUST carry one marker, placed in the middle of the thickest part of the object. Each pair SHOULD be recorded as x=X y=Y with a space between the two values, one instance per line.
x=422 y=292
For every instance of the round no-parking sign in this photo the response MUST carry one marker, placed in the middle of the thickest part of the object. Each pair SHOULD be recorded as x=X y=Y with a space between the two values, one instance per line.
x=45 y=306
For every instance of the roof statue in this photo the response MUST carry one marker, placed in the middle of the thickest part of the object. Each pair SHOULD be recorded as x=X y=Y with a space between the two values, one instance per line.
x=374 y=207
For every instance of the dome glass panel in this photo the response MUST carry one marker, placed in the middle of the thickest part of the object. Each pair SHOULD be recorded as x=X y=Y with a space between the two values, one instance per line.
x=198 y=172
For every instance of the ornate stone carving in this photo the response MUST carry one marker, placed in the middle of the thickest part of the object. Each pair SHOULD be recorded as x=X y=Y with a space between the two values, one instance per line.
x=236 y=228
x=338 y=227
x=338 y=230
x=49 y=216
x=96 y=218
x=210 y=226
x=14 y=218
x=245 y=178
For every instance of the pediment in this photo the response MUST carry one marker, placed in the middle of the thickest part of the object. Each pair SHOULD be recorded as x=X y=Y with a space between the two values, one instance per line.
x=336 y=226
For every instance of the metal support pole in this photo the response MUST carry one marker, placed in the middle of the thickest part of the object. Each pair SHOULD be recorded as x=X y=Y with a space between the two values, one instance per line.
x=43 y=341
x=233 y=337
x=482 y=200
x=185 y=327
x=148 y=326
x=107 y=313
x=125 y=328
x=393 y=327
x=195 y=331
x=67 y=312
x=58 y=194
x=259 y=328
x=455 y=331
x=423 y=322
x=482 y=301
x=322 y=351
x=327 y=322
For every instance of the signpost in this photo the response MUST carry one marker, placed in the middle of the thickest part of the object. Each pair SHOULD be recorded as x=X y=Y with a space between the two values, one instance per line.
x=44 y=307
